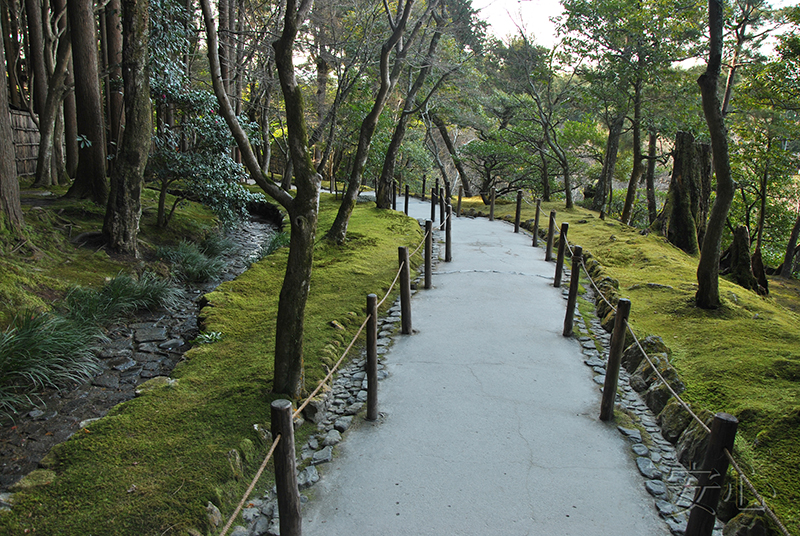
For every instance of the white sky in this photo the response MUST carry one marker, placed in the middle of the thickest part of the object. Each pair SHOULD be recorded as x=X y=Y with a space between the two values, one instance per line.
x=534 y=15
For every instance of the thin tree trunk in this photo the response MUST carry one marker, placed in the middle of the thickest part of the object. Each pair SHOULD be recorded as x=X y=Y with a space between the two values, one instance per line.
x=302 y=209
x=650 y=178
x=545 y=176
x=788 y=259
x=603 y=190
x=707 y=296
x=114 y=80
x=121 y=225
x=45 y=165
x=448 y=142
x=762 y=214
x=10 y=16
x=338 y=231
x=36 y=64
x=638 y=168
x=10 y=208
x=386 y=179
x=90 y=179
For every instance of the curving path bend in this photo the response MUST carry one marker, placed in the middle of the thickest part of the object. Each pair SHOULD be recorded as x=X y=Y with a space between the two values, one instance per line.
x=489 y=418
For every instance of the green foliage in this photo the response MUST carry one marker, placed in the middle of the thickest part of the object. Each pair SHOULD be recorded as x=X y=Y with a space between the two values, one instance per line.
x=40 y=350
x=120 y=297
x=190 y=264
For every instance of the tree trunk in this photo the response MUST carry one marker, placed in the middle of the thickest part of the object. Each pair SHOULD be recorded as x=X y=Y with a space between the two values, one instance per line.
x=638 y=168
x=604 y=185
x=762 y=213
x=448 y=142
x=338 y=231
x=386 y=179
x=121 y=225
x=114 y=82
x=36 y=65
x=46 y=168
x=10 y=208
x=90 y=178
x=683 y=215
x=10 y=16
x=707 y=295
x=741 y=268
x=302 y=209
x=788 y=259
x=545 y=176
x=650 y=178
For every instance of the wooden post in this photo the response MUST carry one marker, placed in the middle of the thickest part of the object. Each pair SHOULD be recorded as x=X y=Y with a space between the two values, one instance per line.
x=614 y=360
x=712 y=477
x=536 y=223
x=448 y=242
x=407 y=196
x=492 y=196
x=574 y=283
x=562 y=251
x=394 y=195
x=286 y=468
x=428 y=252
x=441 y=208
x=551 y=232
x=448 y=192
x=519 y=211
x=405 y=291
x=372 y=357
x=424 y=178
x=433 y=204
x=460 y=195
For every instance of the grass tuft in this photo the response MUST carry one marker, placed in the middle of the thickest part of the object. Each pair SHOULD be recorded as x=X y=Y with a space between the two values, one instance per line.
x=190 y=263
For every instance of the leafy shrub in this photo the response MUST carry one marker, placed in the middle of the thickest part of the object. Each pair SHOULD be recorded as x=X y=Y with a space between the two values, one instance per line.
x=217 y=244
x=41 y=350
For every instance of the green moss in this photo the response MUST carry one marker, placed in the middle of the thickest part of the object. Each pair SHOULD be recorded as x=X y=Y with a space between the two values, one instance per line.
x=740 y=359
x=153 y=463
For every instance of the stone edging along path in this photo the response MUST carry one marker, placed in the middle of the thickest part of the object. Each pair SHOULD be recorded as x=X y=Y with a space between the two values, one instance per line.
x=657 y=459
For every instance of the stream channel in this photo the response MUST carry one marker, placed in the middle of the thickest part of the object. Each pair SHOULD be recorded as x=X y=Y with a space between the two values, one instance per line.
x=148 y=345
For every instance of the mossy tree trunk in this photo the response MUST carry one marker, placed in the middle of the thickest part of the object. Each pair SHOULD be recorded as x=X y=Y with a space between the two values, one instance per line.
x=682 y=219
x=302 y=208
x=10 y=209
x=124 y=209
x=788 y=259
x=741 y=263
x=707 y=296
x=638 y=159
x=649 y=178
x=601 y=196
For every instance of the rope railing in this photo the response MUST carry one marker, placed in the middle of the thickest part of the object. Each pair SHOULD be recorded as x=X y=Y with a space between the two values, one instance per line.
x=314 y=393
x=250 y=488
x=770 y=513
x=758 y=496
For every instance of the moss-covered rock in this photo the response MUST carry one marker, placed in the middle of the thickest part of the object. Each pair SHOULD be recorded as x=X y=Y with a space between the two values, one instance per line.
x=747 y=523
x=34 y=479
x=693 y=443
x=633 y=356
x=657 y=397
x=673 y=419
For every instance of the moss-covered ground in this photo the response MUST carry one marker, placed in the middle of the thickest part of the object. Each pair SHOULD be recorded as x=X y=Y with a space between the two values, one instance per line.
x=151 y=466
x=743 y=358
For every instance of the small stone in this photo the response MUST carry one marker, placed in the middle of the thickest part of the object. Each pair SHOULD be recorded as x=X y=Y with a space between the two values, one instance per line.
x=313 y=443
x=35 y=414
x=332 y=438
x=260 y=527
x=631 y=433
x=648 y=468
x=172 y=343
x=595 y=361
x=343 y=423
x=214 y=515
x=249 y=514
x=362 y=396
x=239 y=530
x=665 y=508
x=151 y=334
x=274 y=528
x=308 y=477
x=122 y=363
x=640 y=450
x=599 y=379
x=677 y=527
x=354 y=408
x=322 y=456
x=107 y=380
x=656 y=488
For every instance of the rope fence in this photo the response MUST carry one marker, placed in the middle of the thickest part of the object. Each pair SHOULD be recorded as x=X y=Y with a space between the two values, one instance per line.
x=371 y=318
x=703 y=497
